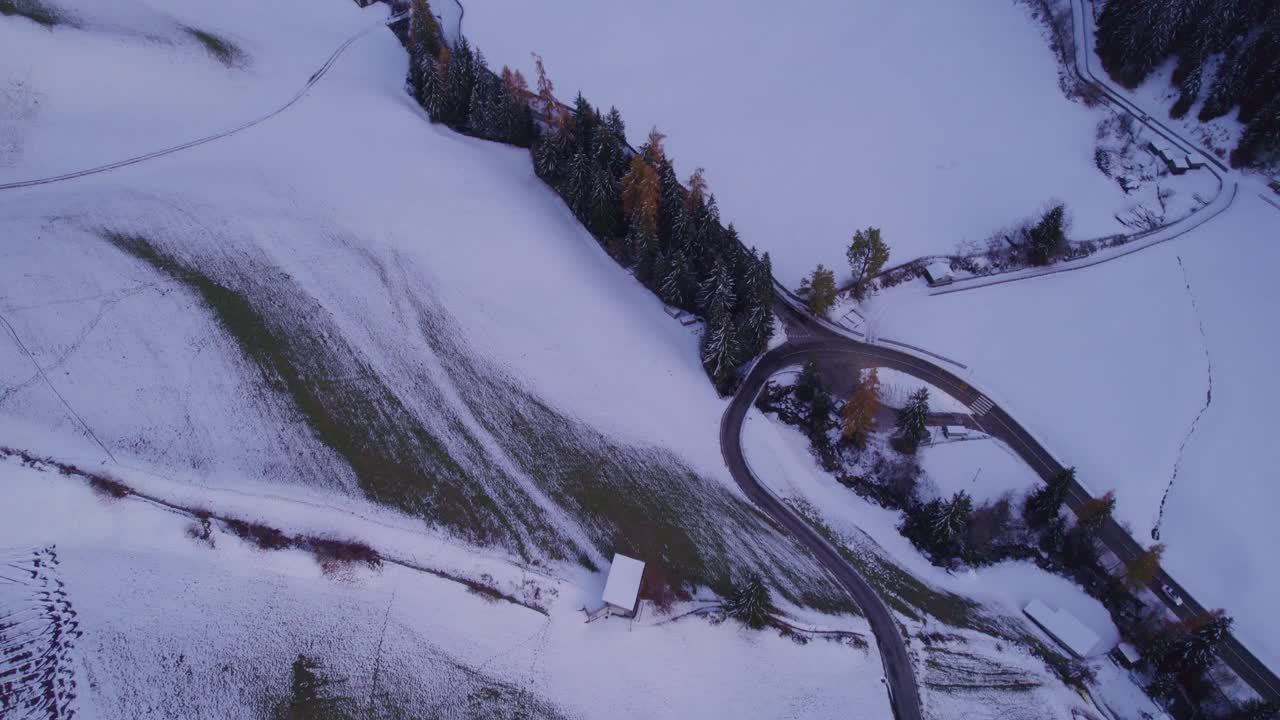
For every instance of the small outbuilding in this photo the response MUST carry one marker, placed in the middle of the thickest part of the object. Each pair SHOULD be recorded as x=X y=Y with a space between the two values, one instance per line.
x=1126 y=655
x=1063 y=627
x=956 y=432
x=939 y=272
x=621 y=590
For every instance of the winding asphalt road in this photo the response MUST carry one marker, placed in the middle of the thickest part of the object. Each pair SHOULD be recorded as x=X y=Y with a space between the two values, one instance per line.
x=810 y=339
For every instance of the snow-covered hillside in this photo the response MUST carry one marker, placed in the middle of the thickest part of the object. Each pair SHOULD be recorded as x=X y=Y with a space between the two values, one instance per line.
x=343 y=305
x=937 y=122
x=158 y=624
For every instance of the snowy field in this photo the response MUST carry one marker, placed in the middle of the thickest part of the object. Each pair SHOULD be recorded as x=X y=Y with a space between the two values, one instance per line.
x=347 y=313
x=937 y=122
x=983 y=467
x=1109 y=368
x=170 y=623
x=780 y=456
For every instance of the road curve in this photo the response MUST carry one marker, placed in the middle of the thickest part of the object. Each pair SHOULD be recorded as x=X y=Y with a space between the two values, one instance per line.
x=315 y=77
x=811 y=339
x=898 y=671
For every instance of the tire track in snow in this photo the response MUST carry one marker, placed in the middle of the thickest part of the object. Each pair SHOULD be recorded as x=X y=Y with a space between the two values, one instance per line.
x=1208 y=400
x=38 y=630
x=315 y=78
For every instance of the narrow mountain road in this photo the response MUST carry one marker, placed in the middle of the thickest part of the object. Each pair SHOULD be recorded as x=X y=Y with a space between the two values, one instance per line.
x=315 y=78
x=810 y=339
x=898 y=671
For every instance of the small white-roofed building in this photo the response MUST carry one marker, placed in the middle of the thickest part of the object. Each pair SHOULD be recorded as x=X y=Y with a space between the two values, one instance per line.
x=622 y=588
x=939 y=272
x=1063 y=627
x=1127 y=655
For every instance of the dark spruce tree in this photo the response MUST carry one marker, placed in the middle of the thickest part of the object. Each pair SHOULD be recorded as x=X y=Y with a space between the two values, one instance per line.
x=912 y=424
x=720 y=350
x=751 y=604
x=1044 y=505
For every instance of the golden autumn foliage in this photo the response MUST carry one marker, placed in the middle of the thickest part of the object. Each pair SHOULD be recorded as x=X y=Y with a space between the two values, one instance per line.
x=860 y=412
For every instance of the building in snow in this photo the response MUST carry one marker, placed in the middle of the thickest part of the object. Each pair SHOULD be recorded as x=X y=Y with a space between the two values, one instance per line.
x=1063 y=627
x=956 y=432
x=939 y=272
x=1177 y=160
x=621 y=589
x=1126 y=654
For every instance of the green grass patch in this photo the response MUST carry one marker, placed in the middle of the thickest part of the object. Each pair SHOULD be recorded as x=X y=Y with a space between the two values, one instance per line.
x=32 y=10
x=644 y=502
x=222 y=49
x=397 y=460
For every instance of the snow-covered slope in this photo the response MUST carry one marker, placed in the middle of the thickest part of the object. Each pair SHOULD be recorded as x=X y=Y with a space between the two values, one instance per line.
x=1111 y=367
x=153 y=623
x=343 y=303
x=937 y=122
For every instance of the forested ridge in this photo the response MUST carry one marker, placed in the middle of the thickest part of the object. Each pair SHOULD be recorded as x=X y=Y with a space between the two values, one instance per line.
x=669 y=234
x=1227 y=54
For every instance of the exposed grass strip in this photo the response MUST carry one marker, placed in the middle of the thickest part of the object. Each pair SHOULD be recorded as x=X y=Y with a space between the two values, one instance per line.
x=222 y=49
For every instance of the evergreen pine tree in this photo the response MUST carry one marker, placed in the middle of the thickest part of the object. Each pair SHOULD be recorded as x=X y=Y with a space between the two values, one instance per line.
x=716 y=296
x=1048 y=238
x=674 y=285
x=951 y=519
x=757 y=299
x=604 y=201
x=553 y=154
x=860 y=411
x=424 y=42
x=867 y=255
x=1044 y=504
x=913 y=422
x=1187 y=650
x=720 y=351
x=577 y=182
x=751 y=604
x=431 y=95
x=458 y=80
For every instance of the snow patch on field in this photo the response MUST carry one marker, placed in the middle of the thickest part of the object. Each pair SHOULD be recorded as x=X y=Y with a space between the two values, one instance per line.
x=985 y=468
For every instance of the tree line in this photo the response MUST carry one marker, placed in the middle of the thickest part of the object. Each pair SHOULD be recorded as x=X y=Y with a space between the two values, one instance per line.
x=669 y=234
x=1227 y=51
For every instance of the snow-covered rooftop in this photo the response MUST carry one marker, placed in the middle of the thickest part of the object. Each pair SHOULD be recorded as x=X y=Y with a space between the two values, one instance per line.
x=623 y=584
x=1063 y=626
x=938 y=270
